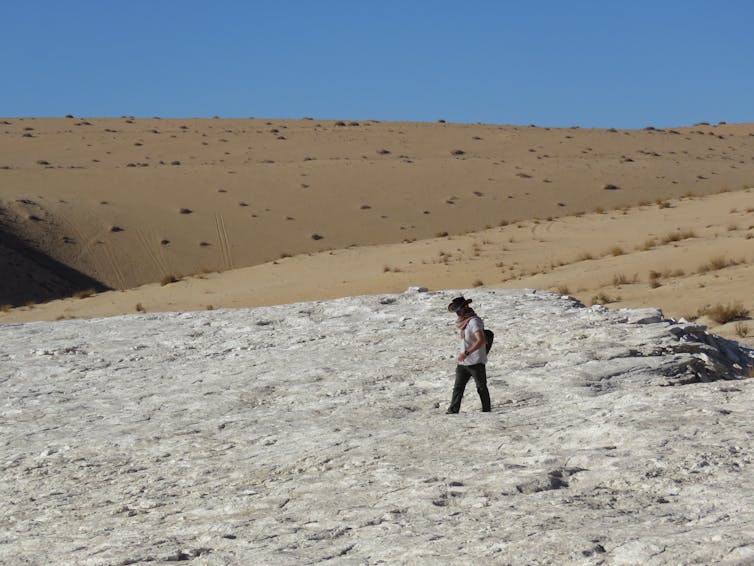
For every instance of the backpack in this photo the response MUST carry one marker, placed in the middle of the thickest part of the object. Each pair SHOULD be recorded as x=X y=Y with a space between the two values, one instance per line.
x=489 y=338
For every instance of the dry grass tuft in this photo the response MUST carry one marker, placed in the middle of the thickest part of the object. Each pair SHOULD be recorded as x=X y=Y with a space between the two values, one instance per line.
x=717 y=263
x=647 y=245
x=563 y=290
x=723 y=314
x=603 y=299
x=5 y=308
x=616 y=251
x=742 y=329
x=140 y=308
x=168 y=279
x=677 y=236
x=478 y=283
x=654 y=279
x=621 y=279
x=84 y=293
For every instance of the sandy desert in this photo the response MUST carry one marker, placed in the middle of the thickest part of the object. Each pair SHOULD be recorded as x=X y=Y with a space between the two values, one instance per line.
x=107 y=216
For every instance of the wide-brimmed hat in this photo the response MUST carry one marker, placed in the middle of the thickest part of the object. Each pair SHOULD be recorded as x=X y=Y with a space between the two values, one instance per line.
x=457 y=303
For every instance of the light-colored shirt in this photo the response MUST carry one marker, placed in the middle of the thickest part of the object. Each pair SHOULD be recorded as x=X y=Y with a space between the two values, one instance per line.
x=469 y=339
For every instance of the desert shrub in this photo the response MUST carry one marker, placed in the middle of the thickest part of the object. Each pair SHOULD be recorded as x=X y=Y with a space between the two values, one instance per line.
x=678 y=236
x=441 y=234
x=478 y=283
x=140 y=308
x=383 y=151
x=116 y=229
x=168 y=279
x=716 y=263
x=316 y=237
x=563 y=290
x=603 y=299
x=84 y=293
x=723 y=314
x=620 y=279
x=5 y=307
x=458 y=152
x=616 y=251
x=185 y=211
x=586 y=256
x=742 y=330
x=610 y=187
x=654 y=279
x=647 y=245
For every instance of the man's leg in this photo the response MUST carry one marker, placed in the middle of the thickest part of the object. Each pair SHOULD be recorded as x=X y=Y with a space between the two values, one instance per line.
x=479 y=371
x=462 y=377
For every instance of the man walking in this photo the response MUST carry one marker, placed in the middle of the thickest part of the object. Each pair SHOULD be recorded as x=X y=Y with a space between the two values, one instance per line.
x=473 y=357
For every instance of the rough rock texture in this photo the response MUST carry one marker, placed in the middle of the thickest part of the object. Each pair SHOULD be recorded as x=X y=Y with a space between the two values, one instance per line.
x=316 y=431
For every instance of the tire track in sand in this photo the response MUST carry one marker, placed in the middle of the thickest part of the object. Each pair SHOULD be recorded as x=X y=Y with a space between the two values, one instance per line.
x=159 y=263
x=222 y=235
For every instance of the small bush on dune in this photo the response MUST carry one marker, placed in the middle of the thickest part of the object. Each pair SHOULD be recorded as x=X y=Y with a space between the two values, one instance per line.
x=84 y=293
x=717 y=263
x=742 y=330
x=678 y=236
x=603 y=299
x=621 y=279
x=723 y=314
x=168 y=279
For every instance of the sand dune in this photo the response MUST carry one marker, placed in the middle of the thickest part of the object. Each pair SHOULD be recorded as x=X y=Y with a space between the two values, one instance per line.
x=369 y=207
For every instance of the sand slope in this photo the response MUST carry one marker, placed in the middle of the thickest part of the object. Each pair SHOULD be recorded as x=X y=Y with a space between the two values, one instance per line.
x=655 y=255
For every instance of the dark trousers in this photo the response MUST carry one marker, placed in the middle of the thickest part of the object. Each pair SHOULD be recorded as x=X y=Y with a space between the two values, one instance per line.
x=463 y=373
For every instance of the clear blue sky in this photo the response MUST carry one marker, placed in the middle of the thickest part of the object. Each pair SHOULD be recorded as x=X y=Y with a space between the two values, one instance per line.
x=550 y=62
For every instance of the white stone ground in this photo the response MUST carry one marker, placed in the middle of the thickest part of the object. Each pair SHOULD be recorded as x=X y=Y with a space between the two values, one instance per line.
x=317 y=431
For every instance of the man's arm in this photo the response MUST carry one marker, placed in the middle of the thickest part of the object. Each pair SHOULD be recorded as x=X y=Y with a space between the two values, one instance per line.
x=480 y=342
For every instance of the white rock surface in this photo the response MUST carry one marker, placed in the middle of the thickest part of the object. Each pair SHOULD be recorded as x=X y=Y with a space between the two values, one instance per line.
x=302 y=433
